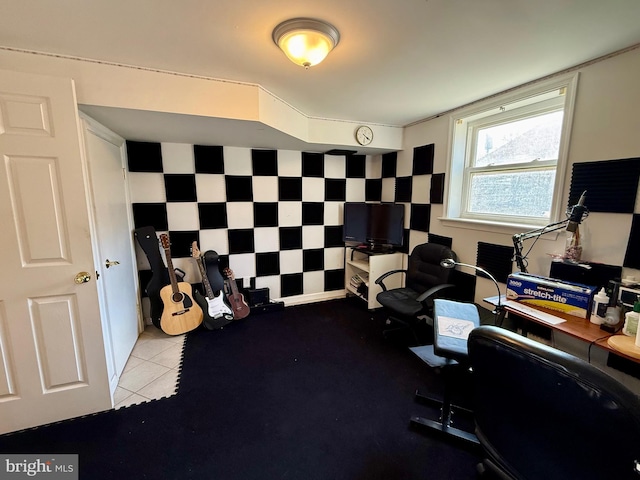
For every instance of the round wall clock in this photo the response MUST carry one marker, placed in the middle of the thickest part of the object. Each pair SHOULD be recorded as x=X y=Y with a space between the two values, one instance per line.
x=364 y=135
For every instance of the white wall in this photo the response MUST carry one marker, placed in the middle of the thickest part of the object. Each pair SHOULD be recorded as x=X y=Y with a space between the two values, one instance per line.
x=606 y=126
x=110 y=85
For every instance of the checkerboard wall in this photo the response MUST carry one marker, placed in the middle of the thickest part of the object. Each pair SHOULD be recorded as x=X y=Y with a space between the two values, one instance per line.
x=274 y=217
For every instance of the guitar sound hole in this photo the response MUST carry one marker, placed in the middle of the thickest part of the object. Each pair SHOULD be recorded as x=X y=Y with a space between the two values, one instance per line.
x=177 y=297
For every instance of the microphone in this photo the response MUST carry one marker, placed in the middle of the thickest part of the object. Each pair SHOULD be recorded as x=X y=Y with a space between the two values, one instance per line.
x=577 y=212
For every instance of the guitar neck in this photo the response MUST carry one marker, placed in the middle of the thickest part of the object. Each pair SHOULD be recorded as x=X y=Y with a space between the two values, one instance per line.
x=205 y=279
x=172 y=274
x=234 y=287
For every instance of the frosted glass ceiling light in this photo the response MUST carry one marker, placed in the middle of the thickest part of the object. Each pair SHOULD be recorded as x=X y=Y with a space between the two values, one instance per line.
x=305 y=41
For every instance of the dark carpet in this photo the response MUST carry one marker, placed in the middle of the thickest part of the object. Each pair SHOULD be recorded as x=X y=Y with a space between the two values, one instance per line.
x=311 y=392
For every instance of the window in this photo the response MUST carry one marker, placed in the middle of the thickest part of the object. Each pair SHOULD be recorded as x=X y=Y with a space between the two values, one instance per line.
x=508 y=156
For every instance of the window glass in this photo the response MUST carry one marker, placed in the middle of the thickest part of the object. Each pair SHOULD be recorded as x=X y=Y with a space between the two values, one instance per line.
x=527 y=193
x=524 y=140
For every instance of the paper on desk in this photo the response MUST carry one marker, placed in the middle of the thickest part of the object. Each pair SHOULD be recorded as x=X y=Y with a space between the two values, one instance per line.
x=494 y=300
x=454 y=327
x=537 y=314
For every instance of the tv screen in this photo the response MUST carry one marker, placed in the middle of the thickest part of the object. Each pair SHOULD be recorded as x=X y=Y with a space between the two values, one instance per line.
x=373 y=223
x=386 y=224
x=356 y=218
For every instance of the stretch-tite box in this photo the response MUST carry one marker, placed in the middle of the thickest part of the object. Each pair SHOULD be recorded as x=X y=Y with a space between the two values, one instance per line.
x=535 y=290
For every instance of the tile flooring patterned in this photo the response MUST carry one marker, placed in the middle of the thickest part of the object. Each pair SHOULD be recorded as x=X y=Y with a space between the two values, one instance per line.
x=152 y=369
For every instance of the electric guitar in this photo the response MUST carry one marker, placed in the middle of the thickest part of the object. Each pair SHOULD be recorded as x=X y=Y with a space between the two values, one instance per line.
x=180 y=314
x=216 y=312
x=236 y=299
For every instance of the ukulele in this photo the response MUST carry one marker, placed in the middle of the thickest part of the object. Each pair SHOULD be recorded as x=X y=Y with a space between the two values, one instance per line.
x=216 y=312
x=236 y=299
x=180 y=314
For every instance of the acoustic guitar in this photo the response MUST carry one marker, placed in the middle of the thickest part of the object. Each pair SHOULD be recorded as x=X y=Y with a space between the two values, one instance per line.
x=180 y=314
x=216 y=313
x=236 y=299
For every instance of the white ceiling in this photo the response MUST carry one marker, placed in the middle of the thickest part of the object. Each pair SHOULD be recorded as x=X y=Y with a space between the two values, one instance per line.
x=397 y=61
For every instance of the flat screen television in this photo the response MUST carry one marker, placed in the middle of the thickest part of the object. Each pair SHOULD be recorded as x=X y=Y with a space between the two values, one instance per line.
x=379 y=226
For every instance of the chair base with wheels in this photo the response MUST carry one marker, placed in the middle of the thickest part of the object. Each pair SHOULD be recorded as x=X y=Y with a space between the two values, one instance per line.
x=452 y=323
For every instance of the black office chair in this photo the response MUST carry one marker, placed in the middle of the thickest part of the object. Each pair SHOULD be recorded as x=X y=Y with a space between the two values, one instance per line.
x=452 y=324
x=425 y=279
x=544 y=414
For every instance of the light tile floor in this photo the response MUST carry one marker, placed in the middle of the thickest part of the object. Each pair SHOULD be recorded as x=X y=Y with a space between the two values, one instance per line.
x=152 y=370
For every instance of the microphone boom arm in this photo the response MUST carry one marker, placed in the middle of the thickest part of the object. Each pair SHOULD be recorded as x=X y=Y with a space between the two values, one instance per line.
x=518 y=238
x=574 y=217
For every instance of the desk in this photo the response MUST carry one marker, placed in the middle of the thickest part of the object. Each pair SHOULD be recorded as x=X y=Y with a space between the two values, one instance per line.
x=580 y=328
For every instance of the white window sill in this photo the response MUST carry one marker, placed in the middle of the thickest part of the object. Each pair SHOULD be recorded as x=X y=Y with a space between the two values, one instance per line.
x=509 y=229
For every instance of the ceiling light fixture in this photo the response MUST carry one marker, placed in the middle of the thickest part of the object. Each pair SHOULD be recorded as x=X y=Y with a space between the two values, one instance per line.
x=305 y=41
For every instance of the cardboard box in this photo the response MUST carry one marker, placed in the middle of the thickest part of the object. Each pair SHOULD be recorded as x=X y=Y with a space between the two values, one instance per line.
x=571 y=298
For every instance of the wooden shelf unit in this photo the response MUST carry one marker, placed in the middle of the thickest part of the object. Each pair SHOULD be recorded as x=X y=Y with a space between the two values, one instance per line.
x=370 y=266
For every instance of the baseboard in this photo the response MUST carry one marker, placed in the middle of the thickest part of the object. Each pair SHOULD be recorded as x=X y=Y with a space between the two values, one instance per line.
x=312 y=297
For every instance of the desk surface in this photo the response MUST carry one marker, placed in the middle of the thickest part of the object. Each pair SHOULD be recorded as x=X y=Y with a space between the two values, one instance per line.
x=580 y=328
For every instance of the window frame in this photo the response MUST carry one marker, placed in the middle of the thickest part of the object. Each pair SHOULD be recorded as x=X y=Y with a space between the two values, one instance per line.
x=523 y=102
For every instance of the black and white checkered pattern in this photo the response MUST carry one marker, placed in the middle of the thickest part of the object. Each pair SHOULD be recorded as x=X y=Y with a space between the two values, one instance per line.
x=275 y=216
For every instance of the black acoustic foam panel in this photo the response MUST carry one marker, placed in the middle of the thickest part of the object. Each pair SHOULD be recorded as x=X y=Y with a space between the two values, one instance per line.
x=356 y=166
x=389 y=164
x=420 y=217
x=312 y=165
x=423 y=159
x=495 y=259
x=632 y=256
x=437 y=189
x=264 y=162
x=208 y=159
x=611 y=185
x=373 y=189
x=404 y=187
x=440 y=240
x=335 y=189
x=144 y=156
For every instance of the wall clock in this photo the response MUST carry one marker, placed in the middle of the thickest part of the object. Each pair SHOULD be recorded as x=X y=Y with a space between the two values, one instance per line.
x=364 y=135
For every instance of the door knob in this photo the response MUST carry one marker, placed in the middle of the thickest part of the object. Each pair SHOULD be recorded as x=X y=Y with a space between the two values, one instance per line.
x=82 y=277
x=108 y=263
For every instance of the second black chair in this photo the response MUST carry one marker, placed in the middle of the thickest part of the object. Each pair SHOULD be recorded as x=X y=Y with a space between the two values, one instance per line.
x=453 y=323
x=412 y=305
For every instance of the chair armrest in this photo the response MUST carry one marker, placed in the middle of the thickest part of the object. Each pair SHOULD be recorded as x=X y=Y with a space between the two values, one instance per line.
x=380 y=279
x=432 y=291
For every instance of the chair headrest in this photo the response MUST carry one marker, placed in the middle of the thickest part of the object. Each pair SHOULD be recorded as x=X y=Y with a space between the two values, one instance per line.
x=433 y=253
x=532 y=398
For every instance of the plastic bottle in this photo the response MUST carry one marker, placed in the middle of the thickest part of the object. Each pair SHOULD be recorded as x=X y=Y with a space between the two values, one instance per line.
x=631 y=321
x=636 y=310
x=599 y=308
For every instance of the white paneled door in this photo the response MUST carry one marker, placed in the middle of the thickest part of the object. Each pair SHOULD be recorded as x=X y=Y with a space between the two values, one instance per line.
x=52 y=357
x=114 y=255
